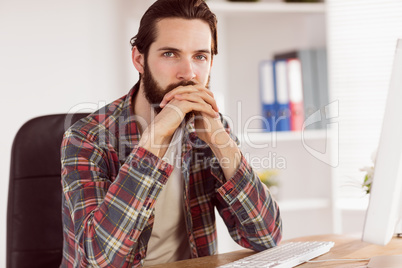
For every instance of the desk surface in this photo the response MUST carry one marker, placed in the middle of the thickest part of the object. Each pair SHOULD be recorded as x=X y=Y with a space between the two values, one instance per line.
x=346 y=247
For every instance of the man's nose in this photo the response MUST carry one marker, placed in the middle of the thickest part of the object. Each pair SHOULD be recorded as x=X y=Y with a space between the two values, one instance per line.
x=186 y=70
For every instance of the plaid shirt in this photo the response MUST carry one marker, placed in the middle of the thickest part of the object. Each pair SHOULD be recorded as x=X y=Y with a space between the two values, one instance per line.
x=110 y=187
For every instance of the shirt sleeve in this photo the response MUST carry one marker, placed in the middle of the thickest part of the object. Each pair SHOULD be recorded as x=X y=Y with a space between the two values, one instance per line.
x=108 y=212
x=247 y=207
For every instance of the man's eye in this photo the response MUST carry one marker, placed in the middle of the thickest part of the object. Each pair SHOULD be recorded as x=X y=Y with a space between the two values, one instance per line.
x=201 y=57
x=168 y=54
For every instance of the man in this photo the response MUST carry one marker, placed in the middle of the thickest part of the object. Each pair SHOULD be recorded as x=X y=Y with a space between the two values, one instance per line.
x=141 y=177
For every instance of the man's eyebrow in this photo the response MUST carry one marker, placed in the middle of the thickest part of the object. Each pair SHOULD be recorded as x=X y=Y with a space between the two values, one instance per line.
x=208 y=51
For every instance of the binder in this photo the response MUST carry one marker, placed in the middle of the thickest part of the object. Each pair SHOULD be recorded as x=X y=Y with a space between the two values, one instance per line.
x=295 y=86
x=282 y=122
x=314 y=81
x=267 y=94
x=322 y=83
x=310 y=89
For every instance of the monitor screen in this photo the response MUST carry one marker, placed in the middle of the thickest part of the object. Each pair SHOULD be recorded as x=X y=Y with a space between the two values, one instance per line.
x=384 y=209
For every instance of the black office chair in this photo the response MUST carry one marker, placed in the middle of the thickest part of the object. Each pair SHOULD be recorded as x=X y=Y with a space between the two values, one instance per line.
x=34 y=224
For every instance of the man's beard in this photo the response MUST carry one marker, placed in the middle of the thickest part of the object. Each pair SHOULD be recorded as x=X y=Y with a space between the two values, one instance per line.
x=155 y=93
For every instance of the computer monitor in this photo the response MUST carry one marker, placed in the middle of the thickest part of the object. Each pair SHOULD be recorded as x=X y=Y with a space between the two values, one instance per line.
x=384 y=210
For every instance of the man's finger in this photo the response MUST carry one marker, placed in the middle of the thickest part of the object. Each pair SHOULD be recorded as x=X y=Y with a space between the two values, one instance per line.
x=184 y=89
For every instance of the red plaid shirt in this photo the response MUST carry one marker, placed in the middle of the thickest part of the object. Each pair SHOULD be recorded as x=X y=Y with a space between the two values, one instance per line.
x=110 y=187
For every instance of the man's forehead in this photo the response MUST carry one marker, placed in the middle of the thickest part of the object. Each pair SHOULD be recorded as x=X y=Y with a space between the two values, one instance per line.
x=176 y=32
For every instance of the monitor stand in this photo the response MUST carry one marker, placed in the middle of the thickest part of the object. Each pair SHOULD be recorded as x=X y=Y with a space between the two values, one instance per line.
x=398 y=227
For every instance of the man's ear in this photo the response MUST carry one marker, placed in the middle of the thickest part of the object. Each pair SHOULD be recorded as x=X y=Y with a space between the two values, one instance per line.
x=138 y=60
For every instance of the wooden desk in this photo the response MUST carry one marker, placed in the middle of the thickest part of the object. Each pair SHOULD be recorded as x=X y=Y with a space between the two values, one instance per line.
x=346 y=247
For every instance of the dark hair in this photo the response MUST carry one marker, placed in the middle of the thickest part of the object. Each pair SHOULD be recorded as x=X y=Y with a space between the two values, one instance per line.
x=161 y=9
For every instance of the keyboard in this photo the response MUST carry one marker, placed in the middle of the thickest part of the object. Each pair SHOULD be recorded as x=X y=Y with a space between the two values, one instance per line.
x=283 y=256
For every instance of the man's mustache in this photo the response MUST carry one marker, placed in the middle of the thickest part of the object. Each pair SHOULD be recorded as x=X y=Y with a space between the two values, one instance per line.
x=178 y=84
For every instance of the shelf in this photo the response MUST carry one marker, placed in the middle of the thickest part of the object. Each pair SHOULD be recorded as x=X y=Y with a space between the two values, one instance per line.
x=263 y=137
x=226 y=7
x=304 y=204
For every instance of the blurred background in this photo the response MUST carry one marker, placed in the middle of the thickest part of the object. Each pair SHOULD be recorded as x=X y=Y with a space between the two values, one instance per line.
x=71 y=56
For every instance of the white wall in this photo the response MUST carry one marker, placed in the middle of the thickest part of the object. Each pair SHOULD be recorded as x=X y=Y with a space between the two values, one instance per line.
x=362 y=36
x=56 y=55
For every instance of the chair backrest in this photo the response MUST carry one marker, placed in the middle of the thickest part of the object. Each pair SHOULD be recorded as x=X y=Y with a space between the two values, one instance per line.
x=34 y=224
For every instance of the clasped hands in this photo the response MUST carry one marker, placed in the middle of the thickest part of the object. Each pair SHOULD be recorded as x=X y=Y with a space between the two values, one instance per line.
x=175 y=105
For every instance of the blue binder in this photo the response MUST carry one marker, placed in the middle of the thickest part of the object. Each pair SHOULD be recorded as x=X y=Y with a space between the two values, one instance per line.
x=267 y=94
x=281 y=96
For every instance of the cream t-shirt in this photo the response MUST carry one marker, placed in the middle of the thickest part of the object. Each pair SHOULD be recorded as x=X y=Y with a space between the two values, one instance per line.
x=169 y=240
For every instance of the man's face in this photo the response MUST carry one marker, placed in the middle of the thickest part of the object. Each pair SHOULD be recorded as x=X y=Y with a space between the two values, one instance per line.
x=180 y=56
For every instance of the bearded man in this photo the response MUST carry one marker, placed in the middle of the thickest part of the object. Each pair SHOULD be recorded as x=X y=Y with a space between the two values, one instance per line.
x=142 y=176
